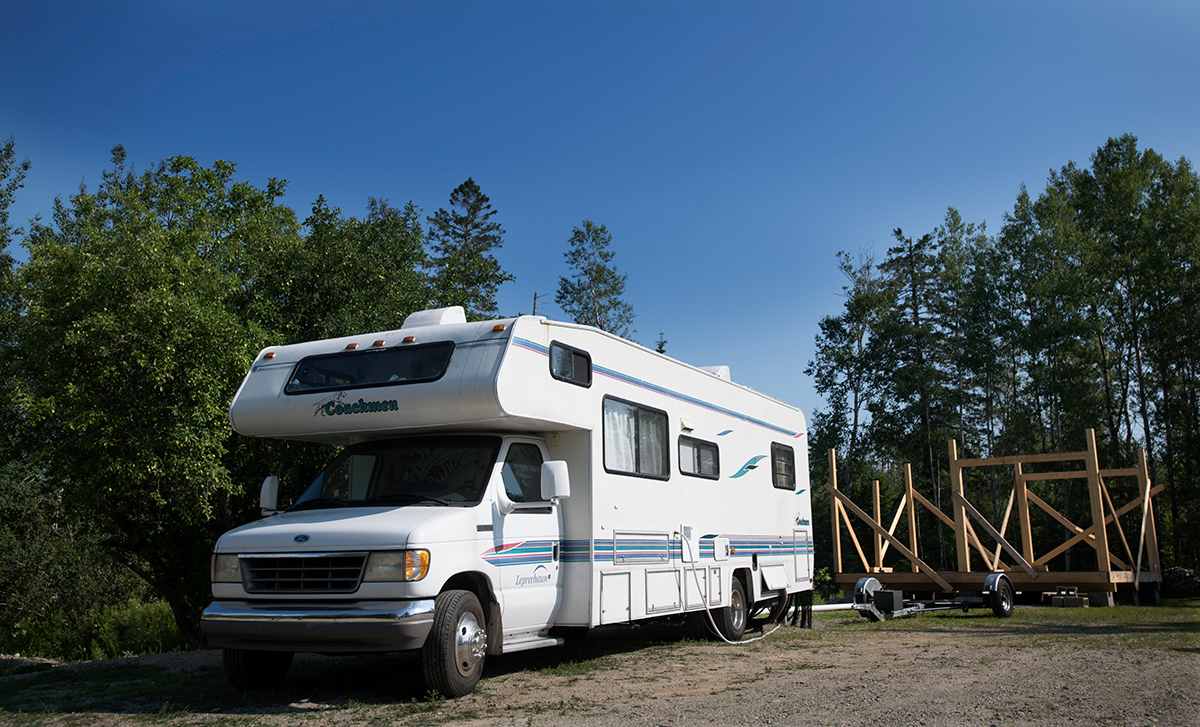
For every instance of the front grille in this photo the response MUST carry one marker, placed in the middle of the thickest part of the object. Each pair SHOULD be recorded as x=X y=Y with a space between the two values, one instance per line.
x=316 y=573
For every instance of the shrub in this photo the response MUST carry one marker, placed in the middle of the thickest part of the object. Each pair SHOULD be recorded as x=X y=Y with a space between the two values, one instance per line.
x=136 y=628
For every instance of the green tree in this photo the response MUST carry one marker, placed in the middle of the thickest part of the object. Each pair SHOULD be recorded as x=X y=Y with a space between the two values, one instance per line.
x=463 y=241
x=133 y=345
x=592 y=295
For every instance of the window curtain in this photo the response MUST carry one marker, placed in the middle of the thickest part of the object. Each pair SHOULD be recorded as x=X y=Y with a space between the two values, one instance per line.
x=652 y=444
x=620 y=425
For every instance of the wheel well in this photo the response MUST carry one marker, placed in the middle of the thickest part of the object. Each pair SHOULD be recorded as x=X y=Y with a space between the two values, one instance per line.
x=743 y=574
x=481 y=586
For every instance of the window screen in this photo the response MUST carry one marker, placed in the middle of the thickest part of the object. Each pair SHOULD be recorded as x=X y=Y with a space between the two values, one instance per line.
x=359 y=369
x=783 y=466
x=570 y=364
x=635 y=440
x=522 y=473
x=699 y=458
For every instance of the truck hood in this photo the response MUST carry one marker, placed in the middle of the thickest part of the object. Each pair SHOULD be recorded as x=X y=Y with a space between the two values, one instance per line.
x=349 y=528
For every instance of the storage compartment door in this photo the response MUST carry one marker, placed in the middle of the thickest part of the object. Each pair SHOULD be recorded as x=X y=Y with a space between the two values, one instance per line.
x=614 y=598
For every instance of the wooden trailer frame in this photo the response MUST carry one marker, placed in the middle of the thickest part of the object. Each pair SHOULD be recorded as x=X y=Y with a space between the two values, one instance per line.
x=1027 y=570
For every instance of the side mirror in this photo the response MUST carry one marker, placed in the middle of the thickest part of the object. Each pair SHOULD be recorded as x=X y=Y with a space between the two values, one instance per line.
x=556 y=481
x=268 y=496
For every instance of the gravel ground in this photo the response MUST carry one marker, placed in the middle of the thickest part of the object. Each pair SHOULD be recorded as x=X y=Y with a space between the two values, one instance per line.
x=1111 y=666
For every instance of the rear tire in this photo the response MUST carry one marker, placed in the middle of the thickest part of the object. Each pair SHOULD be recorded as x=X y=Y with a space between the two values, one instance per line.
x=453 y=655
x=731 y=620
x=246 y=669
x=1003 y=598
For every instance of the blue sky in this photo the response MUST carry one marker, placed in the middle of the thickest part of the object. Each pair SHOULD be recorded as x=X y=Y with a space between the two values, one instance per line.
x=731 y=148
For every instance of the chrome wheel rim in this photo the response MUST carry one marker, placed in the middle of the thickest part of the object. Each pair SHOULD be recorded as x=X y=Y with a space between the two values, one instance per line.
x=737 y=610
x=470 y=644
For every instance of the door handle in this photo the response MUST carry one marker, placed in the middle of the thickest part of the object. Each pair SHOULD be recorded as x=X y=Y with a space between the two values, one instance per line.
x=555 y=552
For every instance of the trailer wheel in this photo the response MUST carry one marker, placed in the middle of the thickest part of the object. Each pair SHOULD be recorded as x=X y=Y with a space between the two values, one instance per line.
x=247 y=669
x=732 y=620
x=453 y=655
x=1003 y=598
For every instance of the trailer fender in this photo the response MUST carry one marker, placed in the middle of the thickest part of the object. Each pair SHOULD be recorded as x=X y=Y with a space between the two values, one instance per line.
x=992 y=582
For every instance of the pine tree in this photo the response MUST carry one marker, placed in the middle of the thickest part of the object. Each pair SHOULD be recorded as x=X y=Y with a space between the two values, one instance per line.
x=592 y=295
x=463 y=239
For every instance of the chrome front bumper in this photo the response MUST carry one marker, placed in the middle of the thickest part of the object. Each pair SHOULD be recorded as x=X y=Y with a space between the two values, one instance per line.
x=369 y=626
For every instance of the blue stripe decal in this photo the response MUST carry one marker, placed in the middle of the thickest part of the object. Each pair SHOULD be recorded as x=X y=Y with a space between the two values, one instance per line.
x=750 y=464
x=614 y=374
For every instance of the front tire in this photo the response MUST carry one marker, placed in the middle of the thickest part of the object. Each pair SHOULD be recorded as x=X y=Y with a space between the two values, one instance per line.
x=453 y=655
x=732 y=619
x=246 y=669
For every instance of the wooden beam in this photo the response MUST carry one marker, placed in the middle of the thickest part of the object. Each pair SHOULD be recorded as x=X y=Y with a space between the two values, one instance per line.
x=1019 y=490
x=1103 y=558
x=1004 y=529
x=1086 y=534
x=983 y=523
x=1116 y=520
x=977 y=544
x=971 y=536
x=933 y=509
x=837 y=526
x=877 y=540
x=1120 y=472
x=1072 y=475
x=895 y=523
x=912 y=511
x=962 y=555
x=1024 y=459
x=1066 y=523
x=922 y=565
x=1148 y=530
x=853 y=536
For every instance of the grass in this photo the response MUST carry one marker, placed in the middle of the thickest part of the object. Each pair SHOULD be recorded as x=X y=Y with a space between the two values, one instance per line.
x=388 y=690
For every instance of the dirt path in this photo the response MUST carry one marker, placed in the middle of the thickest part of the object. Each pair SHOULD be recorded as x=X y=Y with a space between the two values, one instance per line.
x=1116 y=666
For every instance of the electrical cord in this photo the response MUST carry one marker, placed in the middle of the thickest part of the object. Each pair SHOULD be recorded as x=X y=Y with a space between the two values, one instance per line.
x=708 y=612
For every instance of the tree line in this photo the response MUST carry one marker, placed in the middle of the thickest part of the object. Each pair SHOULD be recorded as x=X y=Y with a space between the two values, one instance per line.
x=126 y=331
x=1079 y=312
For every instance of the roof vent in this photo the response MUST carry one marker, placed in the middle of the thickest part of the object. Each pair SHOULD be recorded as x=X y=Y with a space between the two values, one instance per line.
x=721 y=372
x=436 y=317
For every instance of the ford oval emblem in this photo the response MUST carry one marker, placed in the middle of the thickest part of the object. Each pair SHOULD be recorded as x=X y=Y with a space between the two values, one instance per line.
x=301 y=538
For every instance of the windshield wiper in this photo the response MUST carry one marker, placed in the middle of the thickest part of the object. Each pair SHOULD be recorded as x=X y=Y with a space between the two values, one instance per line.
x=406 y=498
x=319 y=502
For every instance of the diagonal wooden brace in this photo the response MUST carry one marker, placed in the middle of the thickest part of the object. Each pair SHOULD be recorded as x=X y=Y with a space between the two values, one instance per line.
x=899 y=546
x=983 y=523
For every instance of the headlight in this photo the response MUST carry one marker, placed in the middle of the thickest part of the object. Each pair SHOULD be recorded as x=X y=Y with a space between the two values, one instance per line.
x=397 y=565
x=226 y=569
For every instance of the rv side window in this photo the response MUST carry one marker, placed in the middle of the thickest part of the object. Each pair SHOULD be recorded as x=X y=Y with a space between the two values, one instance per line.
x=570 y=364
x=382 y=367
x=783 y=466
x=522 y=473
x=699 y=458
x=635 y=440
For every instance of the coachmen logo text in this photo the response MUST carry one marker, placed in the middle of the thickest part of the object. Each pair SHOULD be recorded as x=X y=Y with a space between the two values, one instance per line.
x=339 y=407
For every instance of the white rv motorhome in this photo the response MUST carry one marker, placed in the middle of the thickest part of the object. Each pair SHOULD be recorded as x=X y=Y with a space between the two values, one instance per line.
x=502 y=484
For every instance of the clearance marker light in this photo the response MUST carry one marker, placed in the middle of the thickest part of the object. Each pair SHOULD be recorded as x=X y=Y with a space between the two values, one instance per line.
x=377 y=344
x=351 y=346
x=409 y=339
x=497 y=328
x=269 y=355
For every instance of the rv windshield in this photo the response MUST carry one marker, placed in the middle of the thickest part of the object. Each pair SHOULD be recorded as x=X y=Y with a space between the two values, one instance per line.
x=444 y=470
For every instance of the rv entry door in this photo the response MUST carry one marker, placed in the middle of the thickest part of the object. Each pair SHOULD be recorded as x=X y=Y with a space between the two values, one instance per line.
x=530 y=533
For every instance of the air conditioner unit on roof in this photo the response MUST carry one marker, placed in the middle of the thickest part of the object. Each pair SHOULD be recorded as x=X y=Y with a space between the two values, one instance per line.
x=436 y=317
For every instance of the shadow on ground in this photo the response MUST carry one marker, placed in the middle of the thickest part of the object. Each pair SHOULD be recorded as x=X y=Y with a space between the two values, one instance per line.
x=195 y=683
